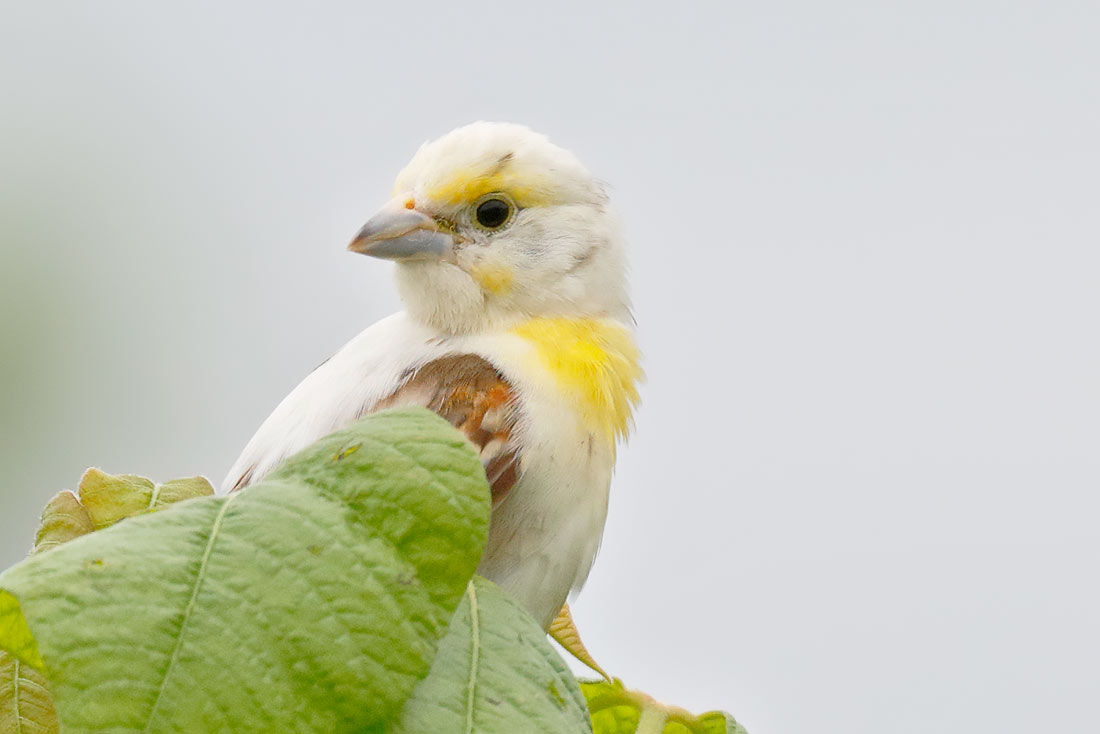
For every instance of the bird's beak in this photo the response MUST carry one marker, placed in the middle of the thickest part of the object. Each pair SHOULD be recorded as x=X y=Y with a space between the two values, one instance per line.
x=401 y=232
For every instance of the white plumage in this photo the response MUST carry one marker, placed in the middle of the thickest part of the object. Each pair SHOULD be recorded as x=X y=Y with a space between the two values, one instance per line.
x=540 y=301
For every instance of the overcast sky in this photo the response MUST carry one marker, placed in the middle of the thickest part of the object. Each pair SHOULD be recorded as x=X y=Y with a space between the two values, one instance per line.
x=862 y=493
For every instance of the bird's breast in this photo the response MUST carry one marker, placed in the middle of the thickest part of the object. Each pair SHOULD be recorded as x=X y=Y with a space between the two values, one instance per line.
x=593 y=365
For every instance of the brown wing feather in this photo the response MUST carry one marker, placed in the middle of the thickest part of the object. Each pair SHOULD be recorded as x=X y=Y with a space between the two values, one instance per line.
x=473 y=396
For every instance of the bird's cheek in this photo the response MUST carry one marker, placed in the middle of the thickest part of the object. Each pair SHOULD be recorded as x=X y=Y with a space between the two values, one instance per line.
x=493 y=278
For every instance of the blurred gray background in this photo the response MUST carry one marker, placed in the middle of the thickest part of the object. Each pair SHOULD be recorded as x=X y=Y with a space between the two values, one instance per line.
x=862 y=494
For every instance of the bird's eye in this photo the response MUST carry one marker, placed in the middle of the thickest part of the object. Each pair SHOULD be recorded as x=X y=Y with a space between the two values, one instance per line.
x=494 y=212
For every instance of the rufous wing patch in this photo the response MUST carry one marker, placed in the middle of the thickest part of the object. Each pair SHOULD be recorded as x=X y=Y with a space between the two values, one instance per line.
x=472 y=395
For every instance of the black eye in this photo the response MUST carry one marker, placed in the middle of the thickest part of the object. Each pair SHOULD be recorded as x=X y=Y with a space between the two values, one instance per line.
x=493 y=213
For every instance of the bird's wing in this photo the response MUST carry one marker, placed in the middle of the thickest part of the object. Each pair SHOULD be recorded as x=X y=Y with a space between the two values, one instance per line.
x=395 y=363
x=473 y=396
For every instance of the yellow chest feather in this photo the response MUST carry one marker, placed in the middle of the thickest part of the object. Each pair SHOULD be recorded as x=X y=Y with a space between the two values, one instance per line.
x=595 y=363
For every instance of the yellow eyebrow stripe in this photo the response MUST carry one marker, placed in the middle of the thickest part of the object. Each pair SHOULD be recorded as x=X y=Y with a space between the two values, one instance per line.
x=467 y=185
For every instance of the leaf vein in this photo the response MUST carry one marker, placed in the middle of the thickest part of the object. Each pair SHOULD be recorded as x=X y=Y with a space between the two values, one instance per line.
x=190 y=608
x=154 y=496
x=15 y=696
x=475 y=644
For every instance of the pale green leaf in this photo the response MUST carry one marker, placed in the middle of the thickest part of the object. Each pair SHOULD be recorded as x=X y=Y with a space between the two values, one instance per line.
x=616 y=709
x=495 y=672
x=177 y=490
x=63 y=519
x=15 y=636
x=25 y=703
x=311 y=602
x=110 y=497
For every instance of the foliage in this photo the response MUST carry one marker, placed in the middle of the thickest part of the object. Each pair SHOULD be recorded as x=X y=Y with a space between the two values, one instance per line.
x=616 y=709
x=335 y=596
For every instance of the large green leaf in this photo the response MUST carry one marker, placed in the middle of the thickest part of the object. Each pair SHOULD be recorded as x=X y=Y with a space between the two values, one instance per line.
x=311 y=602
x=495 y=672
x=26 y=705
x=618 y=710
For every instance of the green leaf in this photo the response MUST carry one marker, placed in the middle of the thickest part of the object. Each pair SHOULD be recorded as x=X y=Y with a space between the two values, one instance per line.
x=495 y=672
x=616 y=709
x=108 y=498
x=25 y=703
x=105 y=499
x=178 y=490
x=311 y=602
x=15 y=638
x=63 y=519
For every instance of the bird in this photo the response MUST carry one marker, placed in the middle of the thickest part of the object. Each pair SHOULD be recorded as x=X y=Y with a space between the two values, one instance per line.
x=517 y=329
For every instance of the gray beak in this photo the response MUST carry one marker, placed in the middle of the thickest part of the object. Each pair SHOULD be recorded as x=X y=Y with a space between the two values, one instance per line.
x=400 y=233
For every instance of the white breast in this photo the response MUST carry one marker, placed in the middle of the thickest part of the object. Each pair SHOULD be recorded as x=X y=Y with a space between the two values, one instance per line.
x=545 y=533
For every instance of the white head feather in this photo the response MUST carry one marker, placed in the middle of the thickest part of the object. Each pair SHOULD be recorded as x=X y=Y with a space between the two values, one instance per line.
x=561 y=254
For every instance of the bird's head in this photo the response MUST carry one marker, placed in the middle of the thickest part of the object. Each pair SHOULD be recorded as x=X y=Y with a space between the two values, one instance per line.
x=492 y=224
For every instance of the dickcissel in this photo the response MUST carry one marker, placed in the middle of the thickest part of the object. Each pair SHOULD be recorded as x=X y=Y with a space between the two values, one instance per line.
x=517 y=330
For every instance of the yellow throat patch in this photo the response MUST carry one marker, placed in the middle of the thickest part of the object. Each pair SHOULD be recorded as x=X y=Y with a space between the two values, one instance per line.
x=596 y=362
